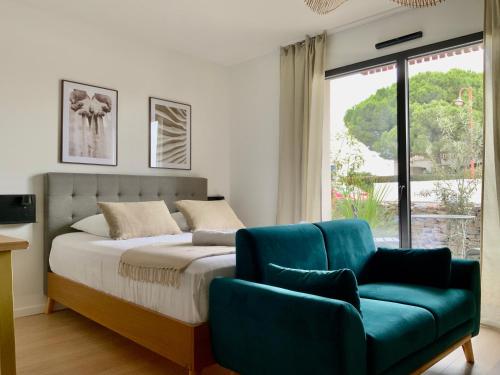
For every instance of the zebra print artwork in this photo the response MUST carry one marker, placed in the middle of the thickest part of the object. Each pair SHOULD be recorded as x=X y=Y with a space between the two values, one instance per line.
x=170 y=134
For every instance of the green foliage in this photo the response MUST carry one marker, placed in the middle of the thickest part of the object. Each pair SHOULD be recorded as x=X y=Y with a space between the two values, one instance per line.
x=360 y=180
x=459 y=153
x=359 y=199
x=432 y=97
x=363 y=205
x=347 y=159
x=369 y=120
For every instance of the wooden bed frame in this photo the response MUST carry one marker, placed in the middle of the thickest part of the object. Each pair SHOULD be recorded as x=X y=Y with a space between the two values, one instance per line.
x=70 y=197
x=185 y=344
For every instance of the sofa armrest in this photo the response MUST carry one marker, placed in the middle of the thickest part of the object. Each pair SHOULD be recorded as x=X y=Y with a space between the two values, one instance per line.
x=260 y=329
x=466 y=274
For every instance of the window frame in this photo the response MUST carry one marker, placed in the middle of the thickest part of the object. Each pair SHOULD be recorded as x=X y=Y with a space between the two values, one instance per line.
x=403 y=118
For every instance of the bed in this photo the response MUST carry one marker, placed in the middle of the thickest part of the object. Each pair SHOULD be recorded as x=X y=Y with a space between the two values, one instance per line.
x=82 y=268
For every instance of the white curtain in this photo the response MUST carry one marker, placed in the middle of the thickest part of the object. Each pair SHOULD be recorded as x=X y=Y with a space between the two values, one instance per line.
x=301 y=130
x=491 y=190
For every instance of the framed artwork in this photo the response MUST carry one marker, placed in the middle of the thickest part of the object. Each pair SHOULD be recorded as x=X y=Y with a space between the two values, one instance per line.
x=169 y=134
x=89 y=130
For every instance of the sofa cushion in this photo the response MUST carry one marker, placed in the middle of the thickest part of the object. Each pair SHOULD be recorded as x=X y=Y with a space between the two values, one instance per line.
x=406 y=266
x=339 y=284
x=298 y=246
x=349 y=244
x=450 y=307
x=394 y=331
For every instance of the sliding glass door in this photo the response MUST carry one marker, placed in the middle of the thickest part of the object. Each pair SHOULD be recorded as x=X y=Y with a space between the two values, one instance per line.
x=446 y=149
x=406 y=145
x=364 y=176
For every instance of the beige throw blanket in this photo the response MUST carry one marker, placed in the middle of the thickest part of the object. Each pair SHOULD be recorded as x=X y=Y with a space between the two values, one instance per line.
x=163 y=262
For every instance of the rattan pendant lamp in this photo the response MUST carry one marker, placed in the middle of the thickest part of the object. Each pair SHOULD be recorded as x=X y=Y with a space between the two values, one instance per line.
x=323 y=6
x=326 y=6
x=418 y=3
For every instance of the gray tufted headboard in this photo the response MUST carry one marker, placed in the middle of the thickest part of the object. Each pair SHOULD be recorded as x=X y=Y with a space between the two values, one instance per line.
x=70 y=197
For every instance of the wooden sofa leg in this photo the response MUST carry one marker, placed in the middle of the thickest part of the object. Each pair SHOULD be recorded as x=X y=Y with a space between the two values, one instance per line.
x=469 y=353
x=49 y=307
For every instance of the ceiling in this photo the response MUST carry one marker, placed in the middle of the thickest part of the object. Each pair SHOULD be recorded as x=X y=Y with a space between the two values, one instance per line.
x=222 y=31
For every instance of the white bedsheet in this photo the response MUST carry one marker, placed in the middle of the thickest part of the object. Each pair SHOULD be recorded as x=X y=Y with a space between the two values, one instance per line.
x=93 y=261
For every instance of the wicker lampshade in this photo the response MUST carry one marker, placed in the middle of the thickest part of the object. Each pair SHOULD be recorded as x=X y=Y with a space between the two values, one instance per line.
x=323 y=6
x=326 y=6
x=418 y=3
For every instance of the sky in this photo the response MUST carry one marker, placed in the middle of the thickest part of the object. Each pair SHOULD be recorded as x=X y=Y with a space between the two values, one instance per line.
x=347 y=91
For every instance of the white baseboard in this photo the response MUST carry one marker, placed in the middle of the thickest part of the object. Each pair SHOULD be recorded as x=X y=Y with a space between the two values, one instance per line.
x=28 y=304
x=34 y=310
x=28 y=310
x=490 y=324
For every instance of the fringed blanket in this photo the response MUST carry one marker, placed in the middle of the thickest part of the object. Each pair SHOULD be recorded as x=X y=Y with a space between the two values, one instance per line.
x=163 y=262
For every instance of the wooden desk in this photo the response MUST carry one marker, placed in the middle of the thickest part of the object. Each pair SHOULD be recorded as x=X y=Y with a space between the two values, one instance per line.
x=7 y=341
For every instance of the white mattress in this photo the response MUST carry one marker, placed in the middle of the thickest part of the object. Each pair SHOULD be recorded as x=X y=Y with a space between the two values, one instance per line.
x=93 y=261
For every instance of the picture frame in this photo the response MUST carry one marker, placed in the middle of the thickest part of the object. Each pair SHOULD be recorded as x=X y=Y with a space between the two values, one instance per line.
x=89 y=124
x=169 y=134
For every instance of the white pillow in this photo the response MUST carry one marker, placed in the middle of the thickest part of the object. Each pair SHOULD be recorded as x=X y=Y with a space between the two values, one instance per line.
x=181 y=221
x=95 y=224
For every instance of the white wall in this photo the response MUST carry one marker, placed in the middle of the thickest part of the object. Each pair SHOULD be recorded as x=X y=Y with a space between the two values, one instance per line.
x=254 y=139
x=451 y=19
x=255 y=84
x=38 y=50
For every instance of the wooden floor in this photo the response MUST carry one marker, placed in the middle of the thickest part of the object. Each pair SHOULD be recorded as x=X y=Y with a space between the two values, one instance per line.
x=67 y=343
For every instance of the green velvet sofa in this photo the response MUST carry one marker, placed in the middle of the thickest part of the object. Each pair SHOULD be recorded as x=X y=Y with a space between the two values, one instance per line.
x=403 y=328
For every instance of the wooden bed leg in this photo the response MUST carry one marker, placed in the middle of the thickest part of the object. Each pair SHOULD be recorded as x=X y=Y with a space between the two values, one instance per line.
x=469 y=353
x=193 y=372
x=49 y=307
